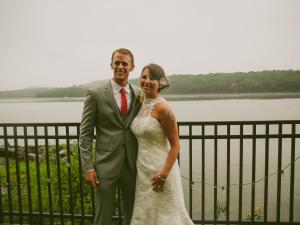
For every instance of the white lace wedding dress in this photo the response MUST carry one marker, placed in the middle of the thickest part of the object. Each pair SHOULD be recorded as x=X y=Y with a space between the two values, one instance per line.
x=150 y=207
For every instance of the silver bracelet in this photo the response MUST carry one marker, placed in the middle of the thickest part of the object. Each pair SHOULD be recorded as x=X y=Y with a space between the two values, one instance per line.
x=162 y=179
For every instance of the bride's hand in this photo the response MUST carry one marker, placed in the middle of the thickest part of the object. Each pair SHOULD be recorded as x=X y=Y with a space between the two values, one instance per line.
x=158 y=182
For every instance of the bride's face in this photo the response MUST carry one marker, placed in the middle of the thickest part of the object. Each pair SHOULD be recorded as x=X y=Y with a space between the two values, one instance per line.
x=148 y=85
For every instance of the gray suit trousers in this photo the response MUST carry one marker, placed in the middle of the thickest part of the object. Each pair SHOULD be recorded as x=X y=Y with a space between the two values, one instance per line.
x=105 y=196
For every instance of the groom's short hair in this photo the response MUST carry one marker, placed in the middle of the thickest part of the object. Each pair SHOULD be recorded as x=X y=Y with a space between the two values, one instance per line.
x=124 y=51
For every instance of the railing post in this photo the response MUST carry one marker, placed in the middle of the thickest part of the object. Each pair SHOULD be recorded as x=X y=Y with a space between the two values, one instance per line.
x=1 y=208
x=215 y=173
x=241 y=174
x=58 y=161
x=38 y=174
x=28 y=177
x=203 y=174
x=279 y=165
x=49 y=181
x=82 y=217
x=253 y=173
x=16 y=147
x=228 y=174
x=69 y=174
x=8 y=181
x=266 y=184
x=190 y=171
x=292 y=176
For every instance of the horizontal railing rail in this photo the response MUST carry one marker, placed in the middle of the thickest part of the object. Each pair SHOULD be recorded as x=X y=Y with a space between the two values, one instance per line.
x=233 y=172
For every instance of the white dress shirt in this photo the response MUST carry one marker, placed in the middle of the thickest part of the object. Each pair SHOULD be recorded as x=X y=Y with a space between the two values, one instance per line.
x=116 y=89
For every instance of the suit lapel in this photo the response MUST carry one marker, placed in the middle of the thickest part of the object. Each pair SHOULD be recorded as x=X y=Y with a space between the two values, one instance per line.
x=112 y=101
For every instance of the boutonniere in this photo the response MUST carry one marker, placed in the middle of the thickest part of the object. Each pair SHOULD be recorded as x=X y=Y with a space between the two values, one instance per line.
x=140 y=97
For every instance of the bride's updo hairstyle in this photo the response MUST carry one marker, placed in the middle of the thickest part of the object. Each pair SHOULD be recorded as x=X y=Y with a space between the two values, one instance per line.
x=157 y=73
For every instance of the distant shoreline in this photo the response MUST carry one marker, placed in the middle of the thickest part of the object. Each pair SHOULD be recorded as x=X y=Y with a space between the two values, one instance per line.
x=232 y=96
x=168 y=97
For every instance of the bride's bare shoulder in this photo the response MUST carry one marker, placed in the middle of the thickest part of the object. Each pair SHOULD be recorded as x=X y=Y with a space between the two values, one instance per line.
x=164 y=111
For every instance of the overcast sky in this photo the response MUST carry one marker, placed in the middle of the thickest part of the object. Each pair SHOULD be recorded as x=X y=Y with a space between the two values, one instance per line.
x=69 y=42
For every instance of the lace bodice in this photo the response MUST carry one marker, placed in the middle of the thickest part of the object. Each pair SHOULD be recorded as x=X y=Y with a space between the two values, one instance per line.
x=144 y=126
x=150 y=134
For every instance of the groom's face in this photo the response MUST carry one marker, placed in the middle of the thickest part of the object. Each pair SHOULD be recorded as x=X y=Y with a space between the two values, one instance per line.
x=121 y=66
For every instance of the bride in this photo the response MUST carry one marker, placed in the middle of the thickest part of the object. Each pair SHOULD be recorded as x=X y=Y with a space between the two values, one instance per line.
x=159 y=196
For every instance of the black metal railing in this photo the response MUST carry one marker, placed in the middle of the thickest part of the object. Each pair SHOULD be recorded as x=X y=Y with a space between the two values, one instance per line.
x=241 y=172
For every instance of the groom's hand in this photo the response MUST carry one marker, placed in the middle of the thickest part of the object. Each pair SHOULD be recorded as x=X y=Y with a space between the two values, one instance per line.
x=91 y=178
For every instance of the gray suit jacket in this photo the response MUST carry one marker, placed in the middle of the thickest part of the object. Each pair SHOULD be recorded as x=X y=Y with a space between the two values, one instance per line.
x=114 y=140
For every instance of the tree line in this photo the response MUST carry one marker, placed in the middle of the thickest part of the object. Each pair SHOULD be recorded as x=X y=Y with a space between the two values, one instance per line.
x=275 y=81
x=236 y=83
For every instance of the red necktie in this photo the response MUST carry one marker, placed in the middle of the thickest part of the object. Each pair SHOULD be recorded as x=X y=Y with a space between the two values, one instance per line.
x=123 y=102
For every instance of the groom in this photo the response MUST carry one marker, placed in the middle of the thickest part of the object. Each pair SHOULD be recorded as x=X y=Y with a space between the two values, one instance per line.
x=110 y=108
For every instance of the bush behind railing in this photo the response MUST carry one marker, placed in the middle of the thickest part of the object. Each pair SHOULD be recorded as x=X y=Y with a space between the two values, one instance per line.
x=58 y=183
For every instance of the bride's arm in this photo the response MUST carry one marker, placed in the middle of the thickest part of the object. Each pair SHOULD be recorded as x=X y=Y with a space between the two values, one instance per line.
x=165 y=116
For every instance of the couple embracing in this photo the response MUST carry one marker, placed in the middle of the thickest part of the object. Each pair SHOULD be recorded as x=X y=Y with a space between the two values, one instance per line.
x=137 y=145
